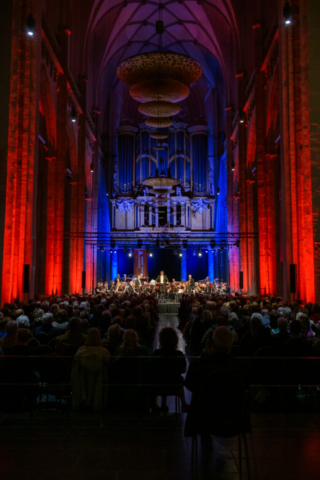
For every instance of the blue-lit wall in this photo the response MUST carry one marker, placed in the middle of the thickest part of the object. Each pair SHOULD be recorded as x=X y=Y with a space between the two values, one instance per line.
x=221 y=261
x=103 y=258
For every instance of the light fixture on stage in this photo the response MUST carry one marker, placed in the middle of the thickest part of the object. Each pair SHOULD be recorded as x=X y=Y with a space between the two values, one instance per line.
x=139 y=243
x=91 y=167
x=233 y=166
x=199 y=252
x=101 y=248
x=150 y=254
x=112 y=244
x=130 y=253
x=242 y=117
x=180 y=253
x=287 y=13
x=212 y=244
x=218 y=191
x=31 y=24
x=221 y=249
x=185 y=243
x=73 y=115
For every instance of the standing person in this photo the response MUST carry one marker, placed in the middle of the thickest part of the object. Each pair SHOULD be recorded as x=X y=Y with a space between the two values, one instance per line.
x=138 y=284
x=117 y=279
x=162 y=279
x=190 y=284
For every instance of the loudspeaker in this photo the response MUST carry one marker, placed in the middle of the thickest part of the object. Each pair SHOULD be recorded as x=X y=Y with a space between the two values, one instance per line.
x=26 y=271
x=241 y=280
x=83 y=284
x=292 y=278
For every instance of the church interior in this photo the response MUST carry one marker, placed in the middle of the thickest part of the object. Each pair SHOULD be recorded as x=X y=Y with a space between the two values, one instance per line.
x=161 y=142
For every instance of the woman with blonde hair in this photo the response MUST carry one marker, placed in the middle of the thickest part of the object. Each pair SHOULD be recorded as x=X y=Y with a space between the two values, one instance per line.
x=89 y=373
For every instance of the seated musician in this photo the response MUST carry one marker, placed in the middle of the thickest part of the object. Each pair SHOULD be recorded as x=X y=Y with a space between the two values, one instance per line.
x=105 y=287
x=99 y=287
x=162 y=280
x=207 y=289
x=190 y=284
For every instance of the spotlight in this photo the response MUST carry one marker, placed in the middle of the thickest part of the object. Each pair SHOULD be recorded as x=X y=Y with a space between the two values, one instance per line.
x=107 y=192
x=101 y=248
x=31 y=24
x=287 y=13
x=242 y=117
x=185 y=243
x=199 y=252
x=150 y=254
x=218 y=191
x=73 y=115
x=180 y=253
x=112 y=244
x=139 y=243
x=212 y=244
x=130 y=253
x=91 y=167
x=233 y=166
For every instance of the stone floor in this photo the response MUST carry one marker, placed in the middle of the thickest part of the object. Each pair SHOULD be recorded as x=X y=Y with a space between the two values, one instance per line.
x=48 y=446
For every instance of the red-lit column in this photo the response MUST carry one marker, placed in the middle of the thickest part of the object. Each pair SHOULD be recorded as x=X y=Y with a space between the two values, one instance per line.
x=242 y=187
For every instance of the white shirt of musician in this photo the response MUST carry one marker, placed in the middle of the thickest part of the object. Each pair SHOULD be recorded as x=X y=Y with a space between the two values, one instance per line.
x=161 y=278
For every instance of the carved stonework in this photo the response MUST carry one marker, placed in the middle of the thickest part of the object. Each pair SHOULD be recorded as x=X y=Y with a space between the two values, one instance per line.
x=125 y=206
x=199 y=205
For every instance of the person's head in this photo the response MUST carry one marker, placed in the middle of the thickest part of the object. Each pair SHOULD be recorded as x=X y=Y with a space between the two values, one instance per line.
x=206 y=316
x=222 y=340
x=23 y=321
x=190 y=276
x=37 y=316
x=23 y=336
x=74 y=325
x=168 y=339
x=114 y=332
x=255 y=323
x=130 y=341
x=47 y=319
x=11 y=327
x=282 y=324
x=295 y=328
x=130 y=322
x=61 y=316
x=305 y=322
x=93 y=338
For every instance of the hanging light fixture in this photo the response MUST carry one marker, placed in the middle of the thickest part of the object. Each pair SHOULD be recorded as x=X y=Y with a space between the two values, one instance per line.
x=73 y=115
x=31 y=25
x=287 y=13
x=233 y=166
x=199 y=252
x=218 y=191
x=91 y=167
x=242 y=117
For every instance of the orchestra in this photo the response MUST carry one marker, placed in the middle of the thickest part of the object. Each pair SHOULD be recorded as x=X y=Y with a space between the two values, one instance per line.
x=164 y=289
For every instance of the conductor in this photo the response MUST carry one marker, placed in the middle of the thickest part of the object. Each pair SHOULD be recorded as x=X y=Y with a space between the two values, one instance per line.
x=162 y=279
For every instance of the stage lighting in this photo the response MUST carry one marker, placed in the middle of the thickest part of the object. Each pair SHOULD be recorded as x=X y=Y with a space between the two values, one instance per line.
x=130 y=253
x=150 y=254
x=31 y=24
x=287 y=13
x=221 y=249
x=199 y=252
x=185 y=243
x=73 y=115
x=101 y=248
x=91 y=167
x=107 y=192
x=242 y=117
x=218 y=191
x=233 y=166
x=180 y=253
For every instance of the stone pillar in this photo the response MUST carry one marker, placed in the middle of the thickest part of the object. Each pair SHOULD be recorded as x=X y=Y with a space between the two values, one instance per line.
x=168 y=211
x=211 y=265
x=174 y=214
x=157 y=215
x=114 y=264
x=184 y=265
x=150 y=214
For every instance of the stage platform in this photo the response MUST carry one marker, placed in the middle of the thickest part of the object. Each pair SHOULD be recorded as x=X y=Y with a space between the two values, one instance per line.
x=168 y=308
